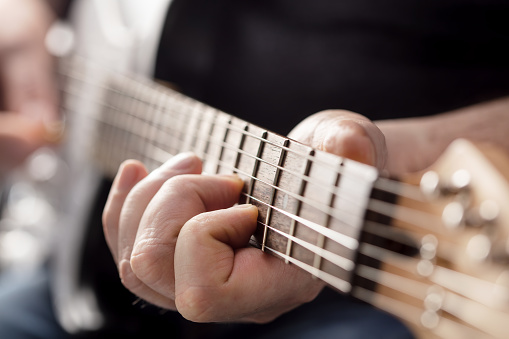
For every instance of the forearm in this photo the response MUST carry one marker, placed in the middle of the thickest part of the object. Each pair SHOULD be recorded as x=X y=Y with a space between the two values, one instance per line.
x=415 y=143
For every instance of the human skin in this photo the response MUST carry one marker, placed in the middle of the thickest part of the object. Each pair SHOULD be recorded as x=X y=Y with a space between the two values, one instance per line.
x=29 y=97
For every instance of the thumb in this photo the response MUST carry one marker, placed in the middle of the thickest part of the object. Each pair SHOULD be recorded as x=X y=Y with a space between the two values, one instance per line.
x=344 y=133
x=205 y=259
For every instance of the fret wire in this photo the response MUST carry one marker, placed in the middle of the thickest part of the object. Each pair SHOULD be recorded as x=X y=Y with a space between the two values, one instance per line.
x=388 y=185
x=365 y=253
x=340 y=261
x=342 y=239
x=210 y=134
x=394 y=281
x=158 y=131
x=255 y=167
x=302 y=188
x=289 y=150
x=321 y=239
x=225 y=138
x=281 y=160
x=294 y=221
x=240 y=148
x=330 y=279
x=299 y=198
x=258 y=159
x=166 y=91
x=192 y=129
x=141 y=113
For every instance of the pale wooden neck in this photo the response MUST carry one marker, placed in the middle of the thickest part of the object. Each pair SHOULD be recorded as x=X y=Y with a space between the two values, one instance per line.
x=328 y=215
x=312 y=204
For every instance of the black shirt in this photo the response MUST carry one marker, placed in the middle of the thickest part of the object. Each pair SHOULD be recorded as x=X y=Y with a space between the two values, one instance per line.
x=274 y=62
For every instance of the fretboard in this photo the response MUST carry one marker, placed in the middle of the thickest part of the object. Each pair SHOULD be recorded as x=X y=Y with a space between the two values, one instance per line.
x=312 y=205
x=320 y=212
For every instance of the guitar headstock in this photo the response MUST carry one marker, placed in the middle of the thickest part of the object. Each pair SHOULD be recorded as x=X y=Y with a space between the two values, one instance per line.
x=455 y=284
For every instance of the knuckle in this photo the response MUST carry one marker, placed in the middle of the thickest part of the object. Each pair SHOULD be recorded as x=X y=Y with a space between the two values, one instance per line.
x=146 y=262
x=128 y=277
x=195 y=305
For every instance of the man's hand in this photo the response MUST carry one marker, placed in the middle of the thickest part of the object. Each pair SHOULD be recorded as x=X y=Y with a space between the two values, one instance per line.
x=343 y=133
x=29 y=95
x=179 y=244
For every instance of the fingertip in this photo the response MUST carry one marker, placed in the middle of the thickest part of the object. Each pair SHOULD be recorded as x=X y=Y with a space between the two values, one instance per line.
x=350 y=140
x=183 y=162
x=130 y=173
x=248 y=209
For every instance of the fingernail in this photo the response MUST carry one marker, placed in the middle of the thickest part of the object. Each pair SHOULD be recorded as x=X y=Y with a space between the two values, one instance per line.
x=54 y=131
x=126 y=175
x=182 y=161
x=244 y=206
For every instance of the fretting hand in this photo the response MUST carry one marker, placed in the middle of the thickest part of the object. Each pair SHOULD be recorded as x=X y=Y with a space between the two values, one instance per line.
x=179 y=244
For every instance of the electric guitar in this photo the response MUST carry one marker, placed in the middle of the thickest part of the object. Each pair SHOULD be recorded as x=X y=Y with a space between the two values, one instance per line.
x=430 y=248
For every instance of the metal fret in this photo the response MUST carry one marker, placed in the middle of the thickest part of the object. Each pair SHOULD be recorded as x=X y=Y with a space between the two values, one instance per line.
x=240 y=148
x=321 y=239
x=256 y=166
x=181 y=121
x=281 y=160
x=147 y=115
x=210 y=135
x=302 y=188
x=193 y=128
x=225 y=139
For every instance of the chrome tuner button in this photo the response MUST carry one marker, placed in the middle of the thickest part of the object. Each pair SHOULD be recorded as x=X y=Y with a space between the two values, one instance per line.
x=428 y=248
x=430 y=184
x=479 y=247
x=453 y=215
x=460 y=181
x=486 y=213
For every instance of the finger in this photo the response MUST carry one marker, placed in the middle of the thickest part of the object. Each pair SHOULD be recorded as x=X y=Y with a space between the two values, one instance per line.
x=20 y=136
x=28 y=82
x=179 y=200
x=219 y=279
x=345 y=134
x=129 y=174
x=132 y=211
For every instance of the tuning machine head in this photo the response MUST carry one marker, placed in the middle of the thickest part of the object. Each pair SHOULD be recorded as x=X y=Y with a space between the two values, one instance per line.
x=433 y=186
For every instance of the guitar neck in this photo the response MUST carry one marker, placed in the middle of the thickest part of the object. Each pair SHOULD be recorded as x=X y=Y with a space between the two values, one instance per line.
x=362 y=234
x=312 y=205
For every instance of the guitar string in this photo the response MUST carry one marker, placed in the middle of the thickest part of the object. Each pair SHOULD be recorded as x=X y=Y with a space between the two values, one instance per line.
x=308 y=179
x=328 y=210
x=246 y=174
x=408 y=286
x=389 y=236
x=386 y=184
x=404 y=287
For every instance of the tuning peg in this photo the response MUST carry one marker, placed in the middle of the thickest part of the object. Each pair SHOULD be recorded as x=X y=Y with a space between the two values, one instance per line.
x=430 y=184
x=433 y=186
x=486 y=213
x=459 y=182
x=453 y=215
